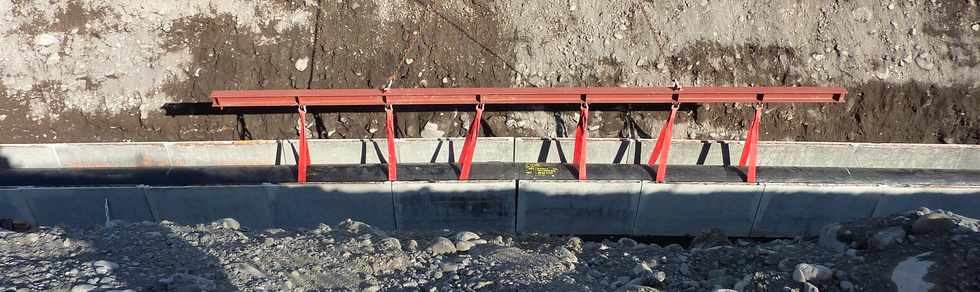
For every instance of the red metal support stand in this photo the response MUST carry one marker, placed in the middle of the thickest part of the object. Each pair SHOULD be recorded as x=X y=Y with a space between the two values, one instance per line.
x=466 y=157
x=750 y=152
x=662 y=149
x=581 y=136
x=304 y=149
x=390 y=131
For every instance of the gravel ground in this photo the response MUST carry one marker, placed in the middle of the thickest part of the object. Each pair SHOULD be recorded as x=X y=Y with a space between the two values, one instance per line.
x=916 y=251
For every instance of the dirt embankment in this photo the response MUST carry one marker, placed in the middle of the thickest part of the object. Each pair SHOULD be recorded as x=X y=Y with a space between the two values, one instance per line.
x=99 y=70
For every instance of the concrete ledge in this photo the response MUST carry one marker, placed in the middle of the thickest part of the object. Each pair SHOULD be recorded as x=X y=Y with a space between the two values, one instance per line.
x=250 y=205
x=491 y=149
x=264 y=152
x=963 y=201
x=792 y=210
x=447 y=150
x=309 y=205
x=607 y=207
x=477 y=205
x=821 y=154
x=85 y=206
x=687 y=209
x=562 y=150
x=112 y=155
x=28 y=156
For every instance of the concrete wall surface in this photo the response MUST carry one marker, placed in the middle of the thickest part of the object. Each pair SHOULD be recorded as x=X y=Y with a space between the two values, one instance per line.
x=557 y=207
x=490 y=149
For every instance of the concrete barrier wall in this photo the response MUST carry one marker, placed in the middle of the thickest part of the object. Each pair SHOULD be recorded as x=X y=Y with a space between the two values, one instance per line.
x=446 y=150
x=600 y=207
x=471 y=205
x=607 y=207
x=821 y=154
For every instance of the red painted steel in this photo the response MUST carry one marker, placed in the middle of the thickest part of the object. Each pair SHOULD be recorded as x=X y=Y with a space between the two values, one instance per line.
x=662 y=149
x=565 y=95
x=750 y=152
x=304 y=148
x=466 y=157
x=581 y=137
x=390 y=133
x=558 y=95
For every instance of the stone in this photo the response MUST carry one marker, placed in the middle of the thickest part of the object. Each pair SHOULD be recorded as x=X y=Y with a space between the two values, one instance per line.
x=626 y=242
x=464 y=245
x=641 y=269
x=302 y=64
x=357 y=227
x=910 y=274
x=846 y=286
x=807 y=287
x=828 y=238
x=390 y=243
x=925 y=62
x=933 y=223
x=104 y=267
x=431 y=130
x=230 y=223
x=807 y=272
x=975 y=27
x=372 y=288
x=637 y=288
x=724 y=290
x=712 y=238
x=45 y=40
x=83 y=288
x=412 y=245
x=114 y=223
x=888 y=237
x=248 y=269
x=685 y=269
x=465 y=236
x=566 y=255
x=574 y=244
x=442 y=245
x=187 y=282
x=740 y=286
x=449 y=267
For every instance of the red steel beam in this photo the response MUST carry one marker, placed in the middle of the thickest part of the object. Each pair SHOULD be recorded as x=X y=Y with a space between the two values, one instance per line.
x=558 y=95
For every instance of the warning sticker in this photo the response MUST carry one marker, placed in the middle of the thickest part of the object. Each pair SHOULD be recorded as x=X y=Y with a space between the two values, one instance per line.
x=535 y=169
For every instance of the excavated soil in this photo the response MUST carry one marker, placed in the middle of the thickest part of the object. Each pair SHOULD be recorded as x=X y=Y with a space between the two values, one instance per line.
x=99 y=70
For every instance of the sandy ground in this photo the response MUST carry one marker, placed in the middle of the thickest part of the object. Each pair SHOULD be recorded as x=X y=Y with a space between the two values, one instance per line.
x=100 y=70
x=916 y=251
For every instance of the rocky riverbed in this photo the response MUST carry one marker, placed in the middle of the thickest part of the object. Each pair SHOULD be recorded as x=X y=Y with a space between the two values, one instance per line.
x=917 y=251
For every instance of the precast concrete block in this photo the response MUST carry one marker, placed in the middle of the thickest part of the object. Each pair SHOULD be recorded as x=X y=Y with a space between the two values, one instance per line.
x=28 y=156
x=340 y=151
x=13 y=206
x=308 y=205
x=801 y=210
x=447 y=150
x=577 y=207
x=562 y=150
x=896 y=200
x=455 y=205
x=252 y=206
x=688 y=209
x=85 y=206
x=227 y=153
x=96 y=155
x=690 y=152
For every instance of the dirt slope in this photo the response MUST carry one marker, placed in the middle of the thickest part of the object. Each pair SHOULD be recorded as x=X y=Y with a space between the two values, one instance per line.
x=99 y=70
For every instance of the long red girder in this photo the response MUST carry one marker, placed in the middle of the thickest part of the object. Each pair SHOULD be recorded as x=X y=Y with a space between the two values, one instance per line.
x=561 y=95
x=569 y=95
